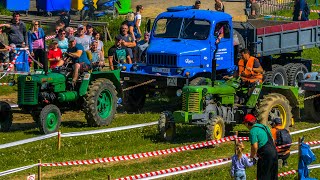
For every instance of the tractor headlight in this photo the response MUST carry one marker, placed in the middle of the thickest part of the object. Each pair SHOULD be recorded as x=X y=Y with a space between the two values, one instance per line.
x=124 y=68
x=179 y=92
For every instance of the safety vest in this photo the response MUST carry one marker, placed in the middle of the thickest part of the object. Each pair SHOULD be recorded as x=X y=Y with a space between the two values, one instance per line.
x=247 y=75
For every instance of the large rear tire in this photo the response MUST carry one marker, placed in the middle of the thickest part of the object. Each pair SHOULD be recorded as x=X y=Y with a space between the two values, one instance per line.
x=167 y=126
x=278 y=76
x=312 y=106
x=296 y=73
x=49 y=119
x=273 y=106
x=5 y=116
x=215 y=129
x=100 y=102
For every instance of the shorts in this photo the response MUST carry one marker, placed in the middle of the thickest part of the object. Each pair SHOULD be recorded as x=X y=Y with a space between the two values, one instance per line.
x=84 y=67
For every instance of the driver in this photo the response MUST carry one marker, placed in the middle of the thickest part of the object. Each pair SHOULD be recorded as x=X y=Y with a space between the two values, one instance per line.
x=78 y=57
x=250 y=69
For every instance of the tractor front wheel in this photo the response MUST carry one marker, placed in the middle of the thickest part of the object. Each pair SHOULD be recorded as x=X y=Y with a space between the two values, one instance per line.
x=215 y=128
x=100 y=103
x=6 y=116
x=50 y=119
x=167 y=126
x=273 y=106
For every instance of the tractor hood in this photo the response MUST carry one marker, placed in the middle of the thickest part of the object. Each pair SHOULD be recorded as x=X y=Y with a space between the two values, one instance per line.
x=42 y=78
x=220 y=88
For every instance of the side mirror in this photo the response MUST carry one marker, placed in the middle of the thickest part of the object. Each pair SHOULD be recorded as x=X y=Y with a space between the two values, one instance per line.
x=148 y=26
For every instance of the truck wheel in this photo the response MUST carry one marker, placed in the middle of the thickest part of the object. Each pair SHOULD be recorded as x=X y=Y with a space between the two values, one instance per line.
x=167 y=126
x=273 y=106
x=312 y=106
x=199 y=81
x=100 y=103
x=6 y=116
x=295 y=74
x=134 y=99
x=50 y=119
x=277 y=76
x=215 y=128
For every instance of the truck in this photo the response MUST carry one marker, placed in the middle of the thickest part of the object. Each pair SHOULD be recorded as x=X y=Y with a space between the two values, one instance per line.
x=311 y=87
x=182 y=43
x=47 y=94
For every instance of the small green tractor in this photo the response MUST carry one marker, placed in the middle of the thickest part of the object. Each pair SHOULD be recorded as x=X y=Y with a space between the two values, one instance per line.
x=45 y=95
x=217 y=105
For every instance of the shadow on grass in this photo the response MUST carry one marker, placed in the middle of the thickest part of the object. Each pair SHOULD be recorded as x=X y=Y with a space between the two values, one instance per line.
x=74 y=124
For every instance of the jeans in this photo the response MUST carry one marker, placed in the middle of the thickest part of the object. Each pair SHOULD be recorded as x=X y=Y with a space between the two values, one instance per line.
x=240 y=175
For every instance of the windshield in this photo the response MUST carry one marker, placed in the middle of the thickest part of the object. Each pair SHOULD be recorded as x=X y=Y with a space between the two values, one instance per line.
x=188 y=28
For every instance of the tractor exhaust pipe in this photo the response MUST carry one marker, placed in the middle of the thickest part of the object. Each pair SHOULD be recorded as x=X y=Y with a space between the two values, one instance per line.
x=214 y=66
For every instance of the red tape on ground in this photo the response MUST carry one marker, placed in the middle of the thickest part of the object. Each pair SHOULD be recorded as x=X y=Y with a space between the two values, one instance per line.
x=287 y=173
x=143 y=155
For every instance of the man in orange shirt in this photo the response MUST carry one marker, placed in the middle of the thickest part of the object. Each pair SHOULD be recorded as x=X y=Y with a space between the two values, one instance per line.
x=276 y=130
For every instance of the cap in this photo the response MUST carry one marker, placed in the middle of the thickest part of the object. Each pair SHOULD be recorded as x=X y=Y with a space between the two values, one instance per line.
x=89 y=26
x=277 y=121
x=80 y=26
x=119 y=37
x=249 y=118
x=54 y=42
x=71 y=38
x=197 y=2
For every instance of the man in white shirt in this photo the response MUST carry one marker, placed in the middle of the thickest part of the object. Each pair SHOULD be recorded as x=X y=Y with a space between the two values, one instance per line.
x=83 y=39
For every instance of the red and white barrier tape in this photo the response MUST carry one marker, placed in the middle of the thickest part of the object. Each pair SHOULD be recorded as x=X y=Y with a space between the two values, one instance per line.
x=143 y=155
x=50 y=37
x=243 y=138
x=316 y=65
x=16 y=72
x=282 y=6
x=10 y=63
x=314 y=166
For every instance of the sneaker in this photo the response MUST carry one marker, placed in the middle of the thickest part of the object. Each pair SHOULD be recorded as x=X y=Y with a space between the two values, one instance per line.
x=285 y=164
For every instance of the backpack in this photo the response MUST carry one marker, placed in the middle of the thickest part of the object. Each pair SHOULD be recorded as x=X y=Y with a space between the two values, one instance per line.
x=307 y=9
x=283 y=137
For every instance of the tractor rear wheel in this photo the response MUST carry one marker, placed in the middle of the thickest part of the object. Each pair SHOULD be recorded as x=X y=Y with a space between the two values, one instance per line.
x=100 y=102
x=6 y=116
x=215 y=128
x=273 y=106
x=49 y=119
x=312 y=106
x=167 y=126
x=278 y=76
x=296 y=73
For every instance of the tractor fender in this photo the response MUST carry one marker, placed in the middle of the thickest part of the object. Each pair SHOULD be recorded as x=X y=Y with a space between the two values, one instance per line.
x=113 y=76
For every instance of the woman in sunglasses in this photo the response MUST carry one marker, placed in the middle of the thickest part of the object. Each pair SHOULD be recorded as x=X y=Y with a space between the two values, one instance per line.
x=62 y=40
x=36 y=42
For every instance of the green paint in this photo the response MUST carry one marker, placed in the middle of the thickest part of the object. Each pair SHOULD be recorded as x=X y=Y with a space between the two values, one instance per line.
x=51 y=121
x=104 y=104
x=68 y=96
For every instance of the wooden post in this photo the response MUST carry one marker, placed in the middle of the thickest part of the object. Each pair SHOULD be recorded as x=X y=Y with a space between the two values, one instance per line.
x=299 y=154
x=39 y=169
x=59 y=140
x=109 y=177
x=235 y=143
x=108 y=34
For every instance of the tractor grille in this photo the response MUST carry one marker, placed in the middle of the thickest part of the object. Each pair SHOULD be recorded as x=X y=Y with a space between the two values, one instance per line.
x=26 y=92
x=192 y=104
x=162 y=60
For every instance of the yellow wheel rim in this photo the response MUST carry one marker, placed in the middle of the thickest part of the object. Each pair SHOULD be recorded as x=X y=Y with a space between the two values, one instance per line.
x=217 y=131
x=280 y=112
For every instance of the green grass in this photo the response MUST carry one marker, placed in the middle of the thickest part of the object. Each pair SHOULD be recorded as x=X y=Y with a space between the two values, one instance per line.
x=123 y=143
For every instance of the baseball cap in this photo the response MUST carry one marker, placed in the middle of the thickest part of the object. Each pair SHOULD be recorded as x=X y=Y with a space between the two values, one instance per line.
x=54 y=41
x=89 y=26
x=249 y=118
x=277 y=121
x=197 y=2
x=80 y=26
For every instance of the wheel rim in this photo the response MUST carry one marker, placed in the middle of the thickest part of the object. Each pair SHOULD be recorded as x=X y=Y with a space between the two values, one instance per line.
x=278 y=79
x=217 y=131
x=278 y=111
x=51 y=121
x=299 y=77
x=104 y=104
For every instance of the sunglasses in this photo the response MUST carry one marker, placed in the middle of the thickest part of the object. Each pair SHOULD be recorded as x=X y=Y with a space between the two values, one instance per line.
x=36 y=24
x=63 y=33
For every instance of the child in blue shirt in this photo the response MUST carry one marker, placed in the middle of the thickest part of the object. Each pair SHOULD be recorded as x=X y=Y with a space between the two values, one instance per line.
x=239 y=163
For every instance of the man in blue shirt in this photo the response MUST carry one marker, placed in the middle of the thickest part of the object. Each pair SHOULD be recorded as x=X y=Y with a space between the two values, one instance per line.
x=79 y=57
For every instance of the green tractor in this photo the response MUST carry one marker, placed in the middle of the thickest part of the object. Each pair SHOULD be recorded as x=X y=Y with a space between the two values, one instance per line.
x=217 y=105
x=46 y=95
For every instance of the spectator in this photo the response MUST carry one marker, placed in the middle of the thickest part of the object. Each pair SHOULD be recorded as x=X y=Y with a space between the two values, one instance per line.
x=130 y=23
x=96 y=36
x=218 y=6
x=281 y=136
x=141 y=48
x=82 y=38
x=196 y=5
x=97 y=56
x=65 y=18
x=301 y=10
x=18 y=32
x=55 y=55
x=4 y=46
x=255 y=10
x=36 y=42
x=219 y=32
x=128 y=40
x=262 y=146
x=61 y=24
x=239 y=163
x=62 y=40
x=118 y=54
x=79 y=58
x=69 y=32
x=137 y=20
x=89 y=31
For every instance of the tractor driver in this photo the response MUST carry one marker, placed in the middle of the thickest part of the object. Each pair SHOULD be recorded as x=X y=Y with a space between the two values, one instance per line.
x=78 y=57
x=250 y=69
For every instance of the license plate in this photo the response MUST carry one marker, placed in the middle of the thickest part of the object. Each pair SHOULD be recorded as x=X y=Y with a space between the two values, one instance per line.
x=160 y=70
x=172 y=82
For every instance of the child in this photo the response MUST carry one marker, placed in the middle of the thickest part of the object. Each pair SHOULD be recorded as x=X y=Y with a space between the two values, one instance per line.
x=239 y=163
x=97 y=58
x=55 y=55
